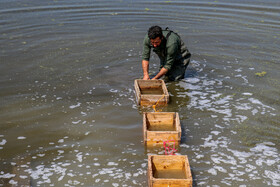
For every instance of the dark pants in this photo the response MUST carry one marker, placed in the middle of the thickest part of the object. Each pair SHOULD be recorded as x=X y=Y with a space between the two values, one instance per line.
x=177 y=71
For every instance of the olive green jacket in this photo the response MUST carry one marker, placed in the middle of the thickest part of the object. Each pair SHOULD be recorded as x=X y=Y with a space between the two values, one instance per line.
x=171 y=50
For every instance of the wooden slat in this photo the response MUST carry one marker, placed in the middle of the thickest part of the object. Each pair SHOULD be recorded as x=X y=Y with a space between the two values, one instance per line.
x=137 y=92
x=144 y=126
x=178 y=124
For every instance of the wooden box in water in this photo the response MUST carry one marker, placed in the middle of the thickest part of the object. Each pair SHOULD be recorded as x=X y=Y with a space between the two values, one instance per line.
x=161 y=126
x=150 y=92
x=169 y=170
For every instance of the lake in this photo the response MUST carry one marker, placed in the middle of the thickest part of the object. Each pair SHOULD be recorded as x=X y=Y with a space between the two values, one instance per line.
x=68 y=110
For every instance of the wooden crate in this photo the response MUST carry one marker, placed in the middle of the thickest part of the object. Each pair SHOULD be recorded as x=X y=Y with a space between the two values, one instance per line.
x=161 y=126
x=169 y=170
x=149 y=92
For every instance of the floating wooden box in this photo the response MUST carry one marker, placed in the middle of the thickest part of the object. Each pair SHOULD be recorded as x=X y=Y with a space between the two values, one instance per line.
x=149 y=92
x=169 y=170
x=161 y=126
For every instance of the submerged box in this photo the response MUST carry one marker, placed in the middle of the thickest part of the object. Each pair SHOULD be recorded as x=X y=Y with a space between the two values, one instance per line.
x=161 y=126
x=169 y=170
x=151 y=92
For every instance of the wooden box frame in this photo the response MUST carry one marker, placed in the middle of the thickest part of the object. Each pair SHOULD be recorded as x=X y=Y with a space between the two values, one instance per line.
x=161 y=96
x=158 y=119
x=166 y=164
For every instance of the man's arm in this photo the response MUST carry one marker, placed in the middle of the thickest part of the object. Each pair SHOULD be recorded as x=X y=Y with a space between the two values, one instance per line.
x=145 y=67
x=146 y=57
x=162 y=72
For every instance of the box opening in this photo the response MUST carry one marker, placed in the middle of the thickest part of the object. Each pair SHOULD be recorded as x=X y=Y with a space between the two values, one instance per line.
x=151 y=91
x=169 y=169
x=161 y=122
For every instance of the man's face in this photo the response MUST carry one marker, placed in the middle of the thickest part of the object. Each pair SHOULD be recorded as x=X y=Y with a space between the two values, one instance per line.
x=156 y=42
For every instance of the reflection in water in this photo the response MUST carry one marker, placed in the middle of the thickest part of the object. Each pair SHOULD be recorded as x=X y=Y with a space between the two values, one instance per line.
x=68 y=111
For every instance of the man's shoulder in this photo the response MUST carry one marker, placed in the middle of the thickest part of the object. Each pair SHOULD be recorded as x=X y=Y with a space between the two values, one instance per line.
x=173 y=39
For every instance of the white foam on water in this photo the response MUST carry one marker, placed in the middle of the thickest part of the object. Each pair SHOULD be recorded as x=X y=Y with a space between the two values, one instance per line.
x=220 y=169
x=23 y=176
x=192 y=80
x=212 y=171
x=70 y=175
x=256 y=101
x=43 y=173
x=220 y=127
x=203 y=95
x=241 y=155
x=3 y=142
x=76 y=122
x=227 y=112
x=75 y=106
x=215 y=132
x=205 y=102
x=79 y=156
x=238 y=70
x=96 y=164
x=196 y=93
x=184 y=145
x=274 y=176
x=13 y=182
x=13 y=163
x=255 y=111
x=246 y=93
x=6 y=176
x=243 y=106
x=113 y=90
x=244 y=78
x=21 y=138
x=112 y=164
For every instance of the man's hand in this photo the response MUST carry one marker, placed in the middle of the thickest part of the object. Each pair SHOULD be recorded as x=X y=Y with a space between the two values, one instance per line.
x=162 y=72
x=145 y=66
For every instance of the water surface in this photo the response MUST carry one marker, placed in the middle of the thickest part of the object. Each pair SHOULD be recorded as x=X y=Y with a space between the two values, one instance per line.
x=68 y=111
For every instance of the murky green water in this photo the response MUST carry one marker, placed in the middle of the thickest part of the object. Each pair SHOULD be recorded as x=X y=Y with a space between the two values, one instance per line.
x=68 y=112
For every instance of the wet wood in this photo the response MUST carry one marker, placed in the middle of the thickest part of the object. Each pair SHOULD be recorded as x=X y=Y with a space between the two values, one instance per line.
x=161 y=126
x=169 y=170
x=149 y=92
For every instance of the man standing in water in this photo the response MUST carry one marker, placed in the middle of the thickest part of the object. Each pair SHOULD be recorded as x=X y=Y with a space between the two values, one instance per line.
x=171 y=50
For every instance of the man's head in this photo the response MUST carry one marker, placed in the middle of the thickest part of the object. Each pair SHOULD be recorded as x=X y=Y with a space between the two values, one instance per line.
x=155 y=35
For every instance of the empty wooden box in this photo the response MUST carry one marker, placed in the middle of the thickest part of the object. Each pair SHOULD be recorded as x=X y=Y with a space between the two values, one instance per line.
x=169 y=170
x=150 y=92
x=161 y=126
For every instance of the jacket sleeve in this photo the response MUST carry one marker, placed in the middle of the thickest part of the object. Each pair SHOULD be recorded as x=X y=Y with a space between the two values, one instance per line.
x=171 y=55
x=146 y=49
